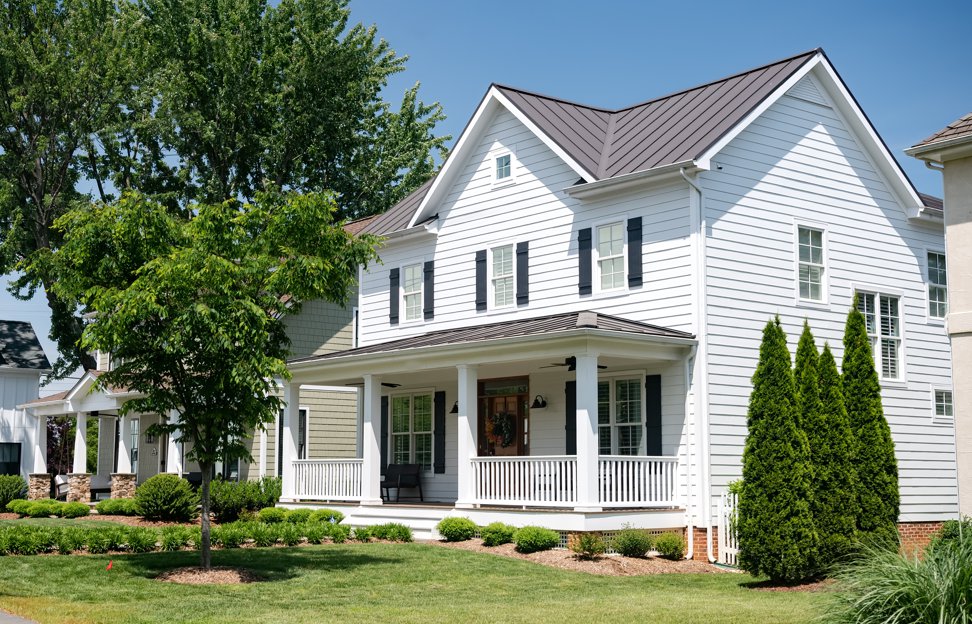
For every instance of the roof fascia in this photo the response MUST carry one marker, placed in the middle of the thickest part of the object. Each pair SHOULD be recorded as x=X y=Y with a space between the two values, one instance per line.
x=941 y=151
x=86 y=381
x=473 y=130
x=629 y=180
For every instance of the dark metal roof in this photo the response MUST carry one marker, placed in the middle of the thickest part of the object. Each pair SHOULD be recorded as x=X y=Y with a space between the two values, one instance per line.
x=954 y=130
x=20 y=348
x=397 y=217
x=511 y=329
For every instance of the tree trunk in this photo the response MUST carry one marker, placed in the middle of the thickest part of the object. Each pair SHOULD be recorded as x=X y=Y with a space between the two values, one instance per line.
x=207 y=472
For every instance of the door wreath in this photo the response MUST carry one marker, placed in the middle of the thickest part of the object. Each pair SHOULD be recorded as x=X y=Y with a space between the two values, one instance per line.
x=501 y=428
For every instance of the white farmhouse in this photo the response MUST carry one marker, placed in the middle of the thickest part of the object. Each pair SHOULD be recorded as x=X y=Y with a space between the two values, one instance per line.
x=22 y=365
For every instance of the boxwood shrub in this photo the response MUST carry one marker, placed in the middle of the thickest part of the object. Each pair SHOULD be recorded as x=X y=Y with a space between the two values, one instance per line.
x=630 y=542
x=273 y=515
x=298 y=516
x=117 y=507
x=456 y=529
x=531 y=539
x=496 y=533
x=670 y=546
x=73 y=510
x=327 y=515
x=18 y=506
x=166 y=497
x=392 y=531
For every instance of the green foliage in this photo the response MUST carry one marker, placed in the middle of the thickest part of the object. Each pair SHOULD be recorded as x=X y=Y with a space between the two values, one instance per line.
x=230 y=499
x=71 y=540
x=362 y=534
x=496 y=533
x=392 y=532
x=263 y=534
x=12 y=487
x=117 y=507
x=272 y=515
x=951 y=531
x=531 y=539
x=175 y=538
x=44 y=508
x=19 y=506
x=166 y=497
x=670 y=546
x=877 y=468
x=73 y=510
x=230 y=535
x=315 y=532
x=340 y=533
x=630 y=542
x=327 y=515
x=885 y=586
x=141 y=539
x=298 y=516
x=101 y=540
x=456 y=529
x=290 y=534
x=776 y=533
x=588 y=545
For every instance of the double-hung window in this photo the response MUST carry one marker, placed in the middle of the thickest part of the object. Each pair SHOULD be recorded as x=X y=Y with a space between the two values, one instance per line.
x=610 y=256
x=502 y=276
x=412 y=292
x=411 y=430
x=882 y=314
x=620 y=425
x=943 y=404
x=810 y=245
x=937 y=286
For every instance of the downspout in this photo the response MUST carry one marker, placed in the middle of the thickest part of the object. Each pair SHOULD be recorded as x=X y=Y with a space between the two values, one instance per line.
x=698 y=220
x=688 y=468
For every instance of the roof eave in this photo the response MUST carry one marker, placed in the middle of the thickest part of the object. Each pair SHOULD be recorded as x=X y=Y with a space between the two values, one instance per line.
x=941 y=151
x=629 y=180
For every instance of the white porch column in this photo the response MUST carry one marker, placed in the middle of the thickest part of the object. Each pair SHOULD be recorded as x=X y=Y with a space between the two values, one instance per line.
x=80 y=465
x=263 y=451
x=173 y=456
x=370 y=450
x=124 y=445
x=466 y=428
x=587 y=446
x=40 y=445
x=288 y=442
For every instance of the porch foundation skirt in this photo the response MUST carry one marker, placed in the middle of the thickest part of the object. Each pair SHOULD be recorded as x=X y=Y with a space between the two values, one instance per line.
x=122 y=485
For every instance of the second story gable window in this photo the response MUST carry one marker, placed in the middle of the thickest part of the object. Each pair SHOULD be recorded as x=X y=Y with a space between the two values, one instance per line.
x=610 y=256
x=937 y=286
x=810 y=244
x=502 y=276
x=504 y=167
x=412 y=291
x=883 y=318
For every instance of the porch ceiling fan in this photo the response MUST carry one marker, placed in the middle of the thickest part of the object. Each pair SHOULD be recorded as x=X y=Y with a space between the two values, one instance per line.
x=571 y=364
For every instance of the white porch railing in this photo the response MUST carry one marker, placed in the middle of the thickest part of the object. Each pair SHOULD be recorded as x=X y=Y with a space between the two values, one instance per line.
x=327 y=479
x=728 y=535
x=537 y=481
x=626 y=481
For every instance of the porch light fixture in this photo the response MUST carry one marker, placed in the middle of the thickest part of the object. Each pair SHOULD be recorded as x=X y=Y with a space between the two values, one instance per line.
x=538 y=402
x=455 y=408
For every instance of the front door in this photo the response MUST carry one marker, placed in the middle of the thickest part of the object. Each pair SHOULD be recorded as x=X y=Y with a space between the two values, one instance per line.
x=503 y=417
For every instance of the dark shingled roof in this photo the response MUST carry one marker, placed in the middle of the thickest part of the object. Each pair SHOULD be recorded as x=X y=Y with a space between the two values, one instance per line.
x=954 y=130
x=930 y=201
x=19 y=347
x=511 y=329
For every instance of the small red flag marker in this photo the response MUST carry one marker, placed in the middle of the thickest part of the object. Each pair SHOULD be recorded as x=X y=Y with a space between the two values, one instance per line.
x=109 y=565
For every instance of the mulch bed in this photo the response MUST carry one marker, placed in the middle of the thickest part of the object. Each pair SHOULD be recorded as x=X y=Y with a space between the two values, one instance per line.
x=214 y=576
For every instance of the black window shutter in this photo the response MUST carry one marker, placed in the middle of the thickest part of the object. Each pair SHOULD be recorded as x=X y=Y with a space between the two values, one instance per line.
x=439 y=433
x=571 y=423
x=383 y=442
x=393 y=296
x=653 y=417
x=634 y=252
x=522 y=273
x=429 y=295
x=584 y=261
x=481 y=279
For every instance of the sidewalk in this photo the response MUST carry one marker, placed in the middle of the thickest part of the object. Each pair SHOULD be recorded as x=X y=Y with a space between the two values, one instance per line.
x=7 y=618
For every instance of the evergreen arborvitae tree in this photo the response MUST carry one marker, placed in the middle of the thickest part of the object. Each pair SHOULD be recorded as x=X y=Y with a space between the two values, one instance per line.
x=877 y=468
x=834 y=502
x=776 y=532
x=805 y=377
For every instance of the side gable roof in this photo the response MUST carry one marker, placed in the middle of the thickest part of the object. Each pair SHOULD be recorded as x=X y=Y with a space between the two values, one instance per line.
x=951 y=142
x=959 y=128
x=20 y=348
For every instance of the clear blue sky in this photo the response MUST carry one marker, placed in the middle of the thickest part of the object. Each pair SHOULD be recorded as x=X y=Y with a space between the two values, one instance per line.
x=906 y=62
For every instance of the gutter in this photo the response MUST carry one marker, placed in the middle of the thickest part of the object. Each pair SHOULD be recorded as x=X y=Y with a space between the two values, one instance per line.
x=592 y=189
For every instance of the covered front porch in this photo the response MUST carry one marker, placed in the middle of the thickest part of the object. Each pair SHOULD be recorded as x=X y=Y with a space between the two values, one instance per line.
x=573 y=414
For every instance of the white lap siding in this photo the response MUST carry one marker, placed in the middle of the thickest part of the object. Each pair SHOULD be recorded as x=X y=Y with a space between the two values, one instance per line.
x=799 y=164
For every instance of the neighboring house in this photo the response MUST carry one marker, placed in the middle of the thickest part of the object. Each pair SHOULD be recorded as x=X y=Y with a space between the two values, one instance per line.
x=23 y=439
x=566 y=319
x=950 y=151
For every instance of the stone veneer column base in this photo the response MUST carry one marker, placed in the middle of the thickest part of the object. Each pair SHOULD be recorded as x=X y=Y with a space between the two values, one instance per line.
x=39 y=486
x=79 y=487
x=122 y=485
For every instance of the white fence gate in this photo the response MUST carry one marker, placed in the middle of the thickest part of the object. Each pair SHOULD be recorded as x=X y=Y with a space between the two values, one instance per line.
x=728 y=537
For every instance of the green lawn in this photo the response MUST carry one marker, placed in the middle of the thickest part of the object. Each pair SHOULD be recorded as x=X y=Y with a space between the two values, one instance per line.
x=378 y=583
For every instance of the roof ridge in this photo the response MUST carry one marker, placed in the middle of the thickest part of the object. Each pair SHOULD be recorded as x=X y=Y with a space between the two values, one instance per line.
x=537 y=94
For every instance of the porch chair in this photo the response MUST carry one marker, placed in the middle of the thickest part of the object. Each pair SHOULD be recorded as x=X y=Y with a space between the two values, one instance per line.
x=60 y=487
x=400 y=476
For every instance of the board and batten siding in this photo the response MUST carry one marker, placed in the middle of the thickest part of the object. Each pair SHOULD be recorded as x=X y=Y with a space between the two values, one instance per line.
x=18 y=387
x=799 y=164
x=475 y=215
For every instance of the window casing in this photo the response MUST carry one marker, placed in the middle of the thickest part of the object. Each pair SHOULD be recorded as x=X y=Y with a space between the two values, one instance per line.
x=620 y=416
x=882 y=315
x=943 y=404
x=810 y=248
x=411 y=430
x=503 y=167
x=501 y=276
x=412 y=292
x=10 y=458
x=937 y=286
x=610 y=256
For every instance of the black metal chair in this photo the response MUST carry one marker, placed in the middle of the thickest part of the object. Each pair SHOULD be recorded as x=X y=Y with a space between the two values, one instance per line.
x=400 y=476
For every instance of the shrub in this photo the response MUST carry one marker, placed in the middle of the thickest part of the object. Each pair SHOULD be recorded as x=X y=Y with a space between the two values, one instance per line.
x=630 y=542
x=670 y=546
x=24 y=540
x=105 y=539
x=71 y=540
x=951 y=531
x=885 y=586
x=230 y=535
x=588 y=545
x=531 y=539
x=18 y=506
x=327 y=515
x=315 y=532
x=362 y=534
x=12 y=487
x=456 y=529
x=141 y=539
x=166 y=497
x=497 y=533
x=263 y=534
x=392 y=532
x=175 y=538
x=339 y=533
x=117 y=507
x=44 y=508
x=290 y=534
x=73 y=510
x=298 y=516
x=231 y=501
x=272 y=515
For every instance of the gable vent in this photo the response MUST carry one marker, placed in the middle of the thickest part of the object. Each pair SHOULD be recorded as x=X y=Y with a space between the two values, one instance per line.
x=807 y=90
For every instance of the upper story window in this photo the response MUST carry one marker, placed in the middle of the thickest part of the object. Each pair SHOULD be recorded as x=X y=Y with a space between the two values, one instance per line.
x=883 y=318
x=502 y=276
x=810 y=243
x=943 y=403
x=610 y=256
x=411 y=430
x=937 y=286
x=412 y=292
x=504 y=167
